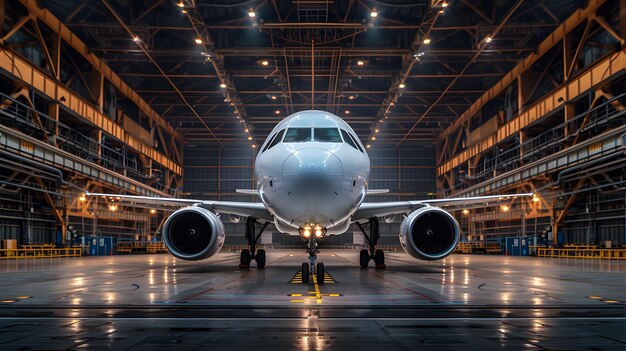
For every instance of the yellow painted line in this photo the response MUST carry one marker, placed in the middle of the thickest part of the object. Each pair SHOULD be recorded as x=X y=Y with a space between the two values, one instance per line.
x=611 y=301
x=334 y=294
x=297 y=301
x=24 y=297
x=594 y=297
x=318 y=295
x=8 y=301
x=295 y=295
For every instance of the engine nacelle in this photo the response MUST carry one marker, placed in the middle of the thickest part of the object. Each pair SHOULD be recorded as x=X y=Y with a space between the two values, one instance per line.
x=193 y=233
x=429 y=233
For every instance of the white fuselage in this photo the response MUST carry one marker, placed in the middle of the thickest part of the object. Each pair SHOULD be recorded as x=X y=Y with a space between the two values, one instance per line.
x=312 y=170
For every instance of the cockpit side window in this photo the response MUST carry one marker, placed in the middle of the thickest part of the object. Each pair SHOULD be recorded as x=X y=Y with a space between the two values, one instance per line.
x=297 y=135
x=354 y=140
x=348 y=139
x=327 y=135
x=276 y=140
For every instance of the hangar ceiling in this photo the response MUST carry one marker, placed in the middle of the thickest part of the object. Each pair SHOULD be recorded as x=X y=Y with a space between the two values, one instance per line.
x=227 y=71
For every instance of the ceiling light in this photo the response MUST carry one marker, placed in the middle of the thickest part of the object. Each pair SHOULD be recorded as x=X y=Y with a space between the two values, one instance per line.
x=249 y=138
x=373 y=138
x=374 y=13
x=273 y=97
x=376 y=130
x=369 y=146
x=254 y=146
x=277 y=112
x=488 y=39
x=82 y=198
x=426 y=41
x=441 y=11
x=136 y=39
x=180 y=4
x=466 y=212
x=153 y=211
x=392 y=103
x=505 y=208
x=251 y=14
x=113 y=207
x=265 y=63
x=347 y=112
x=536 y=198
x=401 y=86
x=351 y=97
x=360 y=63
x=223 y=85
x=183 y=11
x=444 y=4
x=247 y=130
x=198 y=41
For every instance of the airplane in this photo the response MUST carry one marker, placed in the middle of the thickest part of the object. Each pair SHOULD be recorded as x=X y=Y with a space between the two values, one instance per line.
x=312 y=177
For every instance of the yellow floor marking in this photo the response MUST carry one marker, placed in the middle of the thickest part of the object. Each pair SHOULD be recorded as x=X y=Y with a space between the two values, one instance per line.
x=296 y=301
x=594 y=297
x=611 y=301
x=24 y=297
x=318 y=296
x=294 y=295
x=334 y=294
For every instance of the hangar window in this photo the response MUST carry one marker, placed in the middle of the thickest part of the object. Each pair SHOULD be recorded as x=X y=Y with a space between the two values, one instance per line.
x=327 y=135
x=277 y=138
x=297 y=135
x=348 y=139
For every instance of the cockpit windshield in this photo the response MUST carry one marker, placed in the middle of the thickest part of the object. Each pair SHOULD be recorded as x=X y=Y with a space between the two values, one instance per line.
x=327 y=135
x=297 y=135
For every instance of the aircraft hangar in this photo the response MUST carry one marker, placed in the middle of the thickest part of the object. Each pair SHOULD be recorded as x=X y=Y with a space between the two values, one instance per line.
x=486 y=204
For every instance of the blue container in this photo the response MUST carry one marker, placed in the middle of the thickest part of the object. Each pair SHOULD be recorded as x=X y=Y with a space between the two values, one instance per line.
x=101 y=246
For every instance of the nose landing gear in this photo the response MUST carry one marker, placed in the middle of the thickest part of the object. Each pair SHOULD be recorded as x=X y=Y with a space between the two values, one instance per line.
x=377 y=255
x=247 y=255
x=311 y=267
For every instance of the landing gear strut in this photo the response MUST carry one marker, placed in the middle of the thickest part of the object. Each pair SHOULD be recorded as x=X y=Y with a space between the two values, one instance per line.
x=247 y=255
x=377 y=255
x=311 y=267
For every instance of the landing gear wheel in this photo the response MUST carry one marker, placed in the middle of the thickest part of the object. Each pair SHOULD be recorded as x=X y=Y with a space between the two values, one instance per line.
x=260 y=259
x=305 y=273
x=379 y=259
x=364 y=258
x=245 y=259
x=320 y=273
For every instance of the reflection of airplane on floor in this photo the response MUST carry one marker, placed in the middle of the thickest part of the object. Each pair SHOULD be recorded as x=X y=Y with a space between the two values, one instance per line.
x=312 y=177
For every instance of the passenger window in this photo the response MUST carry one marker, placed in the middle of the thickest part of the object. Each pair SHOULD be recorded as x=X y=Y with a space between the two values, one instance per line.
x=276 y=140
x=354 y=139
x=347 y=139
x=298 y=135
x=327 y=135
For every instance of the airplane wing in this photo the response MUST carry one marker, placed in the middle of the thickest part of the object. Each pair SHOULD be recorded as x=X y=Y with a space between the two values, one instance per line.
x=380 y=209
x=245 y=209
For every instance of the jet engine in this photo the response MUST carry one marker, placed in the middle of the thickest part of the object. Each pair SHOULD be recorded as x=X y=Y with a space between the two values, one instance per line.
x=193 y=233
x=429 y=233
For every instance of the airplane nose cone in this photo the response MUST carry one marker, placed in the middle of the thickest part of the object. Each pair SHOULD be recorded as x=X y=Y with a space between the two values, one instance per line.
x=313 y=176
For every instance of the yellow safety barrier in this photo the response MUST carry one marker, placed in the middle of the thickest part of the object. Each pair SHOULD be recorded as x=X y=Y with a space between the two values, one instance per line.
x=582 y=252
x=43 y=252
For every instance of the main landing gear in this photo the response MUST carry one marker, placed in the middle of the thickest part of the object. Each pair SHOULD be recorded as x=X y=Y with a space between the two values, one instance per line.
x=311 y=267
x=253 y=254
x=377 y=255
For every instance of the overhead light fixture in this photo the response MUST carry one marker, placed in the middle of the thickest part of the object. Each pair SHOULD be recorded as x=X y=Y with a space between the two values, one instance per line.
x=347 y=112
x=277 y=112
x=466 y=212
x=442 y=11
x=113 y=207
x=249 y=138
x=82 y=198
x=373 y=138
x=251 y=14
x=360 y=63
x=401 y=86
x=254 y=146
x=392 y=103
x=265 y=63
x=180 y=4
x=198 y=41
x=183 y=11
x=351 y=97
x=376 y=130
x=505 y=208
x=426 y=41
x=488 y=39
x=223 y=85
x=153 y=211
x=536 y=198
x=273 y=97
x=374 y=13
x=444 y=4
x=369 y=146
x=247 y=130
x=136 y=39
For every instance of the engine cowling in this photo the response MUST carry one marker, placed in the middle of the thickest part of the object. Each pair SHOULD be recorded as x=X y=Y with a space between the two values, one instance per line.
x=429 y=233
x=193 y=233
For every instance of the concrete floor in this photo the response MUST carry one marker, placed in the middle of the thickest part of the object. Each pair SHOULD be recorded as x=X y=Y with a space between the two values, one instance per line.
x=153 y=302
